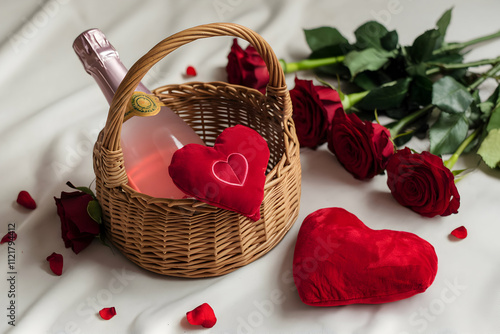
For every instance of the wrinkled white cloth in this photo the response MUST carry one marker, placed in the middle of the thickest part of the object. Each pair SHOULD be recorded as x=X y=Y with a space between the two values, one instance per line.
x=52 y=111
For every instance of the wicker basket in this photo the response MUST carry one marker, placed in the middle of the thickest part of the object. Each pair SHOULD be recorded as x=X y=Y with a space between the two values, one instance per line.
x=188 y=238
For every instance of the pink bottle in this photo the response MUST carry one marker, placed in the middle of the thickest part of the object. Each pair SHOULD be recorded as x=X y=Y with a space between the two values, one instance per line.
x=148 y=143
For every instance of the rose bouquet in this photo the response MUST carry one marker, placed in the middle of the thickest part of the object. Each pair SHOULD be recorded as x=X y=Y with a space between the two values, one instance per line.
x=425 y=89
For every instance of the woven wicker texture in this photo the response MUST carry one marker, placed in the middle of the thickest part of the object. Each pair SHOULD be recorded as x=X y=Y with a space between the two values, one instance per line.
x=188 y=238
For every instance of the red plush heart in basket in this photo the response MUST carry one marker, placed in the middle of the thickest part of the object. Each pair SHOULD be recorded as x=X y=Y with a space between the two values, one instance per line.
x=338 y=260
x=230 y=175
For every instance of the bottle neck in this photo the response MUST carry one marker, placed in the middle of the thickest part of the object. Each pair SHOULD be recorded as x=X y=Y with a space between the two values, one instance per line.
x=102 y=62
x=108 y=75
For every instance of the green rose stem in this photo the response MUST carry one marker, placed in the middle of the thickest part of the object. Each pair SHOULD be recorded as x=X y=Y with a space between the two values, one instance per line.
x=458 y=46
x=492 y=72
x=438 y=67
x=308 y=64
x=405 y=121
x=454 y=157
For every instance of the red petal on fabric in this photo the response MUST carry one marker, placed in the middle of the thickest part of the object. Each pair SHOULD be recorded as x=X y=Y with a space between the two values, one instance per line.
x=25 y=199
x=107 y=313
x=202 y=315
x=459 y=232
x=10 y=236
x=56 y=263
x=191 y=71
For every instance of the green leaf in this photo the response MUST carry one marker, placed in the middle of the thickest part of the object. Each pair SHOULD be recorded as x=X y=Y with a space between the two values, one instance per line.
x=447 y=58
x=366 y=81
x=458 y=171
x=424 y=45
x=491 y=110
x=449 y=131
x=83 y=189
x=369 y=35
x=450 y=96
x=94 y=211
x=86 y=190
x=386 y=97
x=322 y=37
x=487 y=106
x=417 y=70
x=490 y=149
x=494 y=122
x=474 y=113
x=442 y=26
x=331 y=51
x=390 y=41
x=420 y=91
x=366 y=60
x=104 y=240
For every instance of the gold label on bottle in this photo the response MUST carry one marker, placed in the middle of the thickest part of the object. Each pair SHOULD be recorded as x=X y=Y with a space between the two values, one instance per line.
x=142 y=104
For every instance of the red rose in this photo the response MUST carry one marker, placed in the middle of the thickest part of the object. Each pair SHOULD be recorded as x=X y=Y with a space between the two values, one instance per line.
x=78 y=229
x=247 y=68
x=313 y=110
x=422 y=183
x=362 y=148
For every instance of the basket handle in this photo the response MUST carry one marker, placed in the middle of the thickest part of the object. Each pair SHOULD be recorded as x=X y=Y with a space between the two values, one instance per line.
x=276 y=88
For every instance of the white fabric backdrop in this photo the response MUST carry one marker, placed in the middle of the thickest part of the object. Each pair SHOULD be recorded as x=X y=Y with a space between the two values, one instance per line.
x=52 y=110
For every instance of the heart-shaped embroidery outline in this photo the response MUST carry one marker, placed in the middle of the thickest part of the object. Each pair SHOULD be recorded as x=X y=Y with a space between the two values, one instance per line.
x=228 y=162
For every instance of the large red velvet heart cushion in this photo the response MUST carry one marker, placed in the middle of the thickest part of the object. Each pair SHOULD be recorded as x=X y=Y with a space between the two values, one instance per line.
x=229 y=175
x=338 y=260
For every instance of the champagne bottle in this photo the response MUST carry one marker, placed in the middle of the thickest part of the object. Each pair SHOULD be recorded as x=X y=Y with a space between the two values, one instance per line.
x=148 y=143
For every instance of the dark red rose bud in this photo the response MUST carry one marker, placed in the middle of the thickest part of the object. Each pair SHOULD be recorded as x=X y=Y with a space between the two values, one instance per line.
x=313 y=110
x=422 y=183
x=77 y=228
x=56 y=263
x=362 y=148
x=202 y=315
x=247 y=68
x=107 y=313
x=25 y=199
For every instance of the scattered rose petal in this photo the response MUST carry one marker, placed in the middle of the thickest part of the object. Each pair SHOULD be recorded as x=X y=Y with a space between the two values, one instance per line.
x=10 y=236
x=107 y=313
x=191 y=71
x=25 y=199
x=56 y=263
x=202 y=315
x=460 y=232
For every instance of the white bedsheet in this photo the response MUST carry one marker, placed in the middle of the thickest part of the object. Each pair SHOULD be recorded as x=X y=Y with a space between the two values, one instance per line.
x=51 y=111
